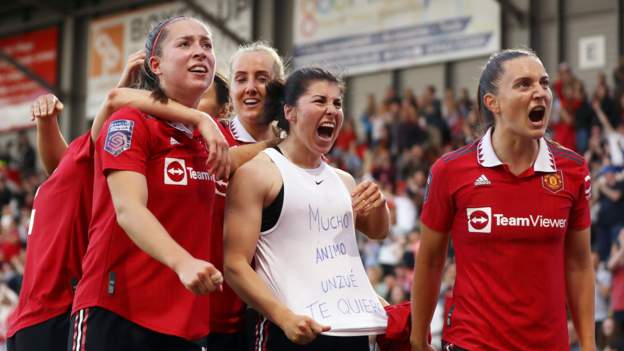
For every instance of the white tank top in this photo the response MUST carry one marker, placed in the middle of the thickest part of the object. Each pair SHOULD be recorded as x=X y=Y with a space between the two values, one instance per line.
x=310 y=258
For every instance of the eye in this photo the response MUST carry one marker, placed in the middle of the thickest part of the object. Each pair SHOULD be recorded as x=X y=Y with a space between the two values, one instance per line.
x=240 y=79
x=523 y=83
x=338 y=104
x=263 y=79
x=183 y=44
x=206 y=45
x=545 y=82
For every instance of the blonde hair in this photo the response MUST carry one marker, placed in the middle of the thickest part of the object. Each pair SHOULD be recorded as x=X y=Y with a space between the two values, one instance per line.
x=259 y=46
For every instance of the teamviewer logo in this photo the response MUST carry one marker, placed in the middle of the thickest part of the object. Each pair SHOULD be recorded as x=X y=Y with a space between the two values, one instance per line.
x=479 y=219
x=175 y=171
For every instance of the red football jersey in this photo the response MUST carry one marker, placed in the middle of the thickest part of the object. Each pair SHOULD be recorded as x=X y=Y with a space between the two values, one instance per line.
x=508 y=232
x=226 y=308
x=57 y=238
x=120 y=277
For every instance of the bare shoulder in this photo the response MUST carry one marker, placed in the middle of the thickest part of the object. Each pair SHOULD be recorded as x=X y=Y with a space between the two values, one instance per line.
x=346 y=178
x=259 y=175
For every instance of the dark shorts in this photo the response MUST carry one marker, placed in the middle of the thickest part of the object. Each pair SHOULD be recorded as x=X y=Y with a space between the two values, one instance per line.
x=225 y=341
x=262 y=335
x=97 y=329
x=50 y=335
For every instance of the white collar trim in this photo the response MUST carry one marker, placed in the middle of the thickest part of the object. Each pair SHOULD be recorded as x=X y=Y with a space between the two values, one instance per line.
x=545 y=161
x=239 y=132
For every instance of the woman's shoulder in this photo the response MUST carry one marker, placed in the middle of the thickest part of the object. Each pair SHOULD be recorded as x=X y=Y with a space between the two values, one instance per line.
x=257 y=169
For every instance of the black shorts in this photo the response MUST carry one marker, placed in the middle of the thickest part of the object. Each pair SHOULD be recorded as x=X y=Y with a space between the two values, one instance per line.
x=50 y=335
x=225 y=341
x=98 y=329
x=263 y=335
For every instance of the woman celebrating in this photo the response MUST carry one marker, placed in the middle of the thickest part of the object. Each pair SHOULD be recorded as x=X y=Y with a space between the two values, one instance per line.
x=300 y=217
x=515 y=205
x=145 y=268
x=252 y=67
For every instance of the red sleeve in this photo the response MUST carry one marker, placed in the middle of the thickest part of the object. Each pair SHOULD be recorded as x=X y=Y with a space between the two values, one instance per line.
x=438 y=209
x=227 y=133
x=579 y=214
x=124 y=146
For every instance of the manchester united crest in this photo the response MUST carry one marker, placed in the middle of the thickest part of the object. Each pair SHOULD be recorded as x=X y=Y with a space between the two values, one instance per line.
x=553 y=182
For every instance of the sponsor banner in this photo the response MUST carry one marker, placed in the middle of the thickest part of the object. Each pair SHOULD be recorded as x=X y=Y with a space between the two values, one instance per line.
x=38 y=51
x=360 y=36
x=112 y=39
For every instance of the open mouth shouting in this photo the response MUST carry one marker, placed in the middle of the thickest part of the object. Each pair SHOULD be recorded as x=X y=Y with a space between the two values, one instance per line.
x=537 y=116
x=325 y=131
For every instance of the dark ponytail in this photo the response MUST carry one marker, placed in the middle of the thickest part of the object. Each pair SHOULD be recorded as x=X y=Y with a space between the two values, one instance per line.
x=274 y=104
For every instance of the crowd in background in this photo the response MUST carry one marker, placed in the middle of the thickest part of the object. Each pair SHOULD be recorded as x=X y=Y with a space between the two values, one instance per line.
x=394 y=141
x=399 y=137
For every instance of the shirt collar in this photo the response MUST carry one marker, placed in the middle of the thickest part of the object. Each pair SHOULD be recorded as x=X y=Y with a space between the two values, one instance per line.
x=239 y=132
x=545 y=161
x=182 y=127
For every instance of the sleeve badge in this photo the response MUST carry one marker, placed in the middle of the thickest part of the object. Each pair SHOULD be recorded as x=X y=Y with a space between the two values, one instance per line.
x=119 y=136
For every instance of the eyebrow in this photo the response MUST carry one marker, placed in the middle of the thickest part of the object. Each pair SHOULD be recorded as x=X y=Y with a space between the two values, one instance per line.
x=530 y=78
x=253 y=73
x=188 y=37
x=326 y=97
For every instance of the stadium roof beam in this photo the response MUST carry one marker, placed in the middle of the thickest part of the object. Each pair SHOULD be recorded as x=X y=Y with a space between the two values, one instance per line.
x=515 y=11
x=216 y=22
x=30 y=74
x=57 y=7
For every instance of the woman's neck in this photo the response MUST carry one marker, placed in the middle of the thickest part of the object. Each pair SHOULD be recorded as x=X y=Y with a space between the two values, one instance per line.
x=517 y=152
x=299 y=154
x=260 y=132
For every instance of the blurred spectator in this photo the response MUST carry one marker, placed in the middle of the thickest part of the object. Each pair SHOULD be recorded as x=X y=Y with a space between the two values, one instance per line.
x=390 y=254
x=464 y=102
x=610 y=337
x=8 y=301
x=618 y=77
x=406 y=212
x=610 y=188
x=616 y=266
x=583 y=117
x=602 y=289
x=346 y=137
x=27 y=157
x=410 y=127
x=614 y=135
x=564 y=82
x=366 y=118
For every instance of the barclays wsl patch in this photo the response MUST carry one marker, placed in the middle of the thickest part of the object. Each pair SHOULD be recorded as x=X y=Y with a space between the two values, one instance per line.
x=119 y=136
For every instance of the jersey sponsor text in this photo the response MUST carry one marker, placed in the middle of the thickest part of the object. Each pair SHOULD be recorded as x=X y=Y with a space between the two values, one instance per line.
x=480 y=220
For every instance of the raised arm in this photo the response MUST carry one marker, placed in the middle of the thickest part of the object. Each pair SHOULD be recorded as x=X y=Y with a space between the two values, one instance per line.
x=176 y=112
x=602 y=117
x=128 y=78
x=253 y=186
x=426 y=285
x=129 y=194
x=580 y=285
x=50 y=142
